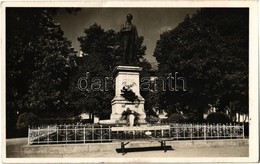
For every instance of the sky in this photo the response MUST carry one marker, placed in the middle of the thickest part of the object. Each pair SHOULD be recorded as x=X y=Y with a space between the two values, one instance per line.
x=150 y=23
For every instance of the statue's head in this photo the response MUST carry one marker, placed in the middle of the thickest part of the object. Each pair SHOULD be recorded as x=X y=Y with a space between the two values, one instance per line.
x=129 y=17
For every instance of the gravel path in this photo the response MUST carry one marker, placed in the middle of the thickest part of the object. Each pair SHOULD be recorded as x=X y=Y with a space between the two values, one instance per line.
x=14 y=146
x=238 y=151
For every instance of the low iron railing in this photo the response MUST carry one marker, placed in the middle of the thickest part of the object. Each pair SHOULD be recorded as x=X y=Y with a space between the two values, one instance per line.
x=92 y=133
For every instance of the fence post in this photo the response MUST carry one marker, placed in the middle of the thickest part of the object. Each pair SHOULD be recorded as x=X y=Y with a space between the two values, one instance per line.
x=198 y=133
x=184 y=129
x=75 y=134
x=217 y=132
x=125 y=134
x=101 y=133
x=170 y=132
x=227 y=130
x=231 y=130
x=57 y=134
x=177 y=132
x=38 y=134
x=92 y=133
x=204 y=128
x=211 y=128
x=66 y=133
x=243 y=128
x=224 y=129
x=29 y=135
x=109 y=133
x=84 y=134
x=191 y=132
x=48 y=134
x=117 y=132
x=162 y=133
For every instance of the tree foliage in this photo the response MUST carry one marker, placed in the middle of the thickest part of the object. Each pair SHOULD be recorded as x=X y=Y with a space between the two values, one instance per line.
x=176 y=118
x=39 y=63
x=26 y=119
x=101 y=53
x=209 y=49
x=218 y=117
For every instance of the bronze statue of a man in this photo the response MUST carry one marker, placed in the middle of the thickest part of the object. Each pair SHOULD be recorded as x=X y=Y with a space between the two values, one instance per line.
x=128 y=42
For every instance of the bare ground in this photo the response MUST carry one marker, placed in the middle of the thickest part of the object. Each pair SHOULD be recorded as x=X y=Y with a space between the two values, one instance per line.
x=13 y=147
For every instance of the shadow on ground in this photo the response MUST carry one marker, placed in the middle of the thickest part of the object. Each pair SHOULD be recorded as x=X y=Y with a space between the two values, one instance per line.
x=141 y=149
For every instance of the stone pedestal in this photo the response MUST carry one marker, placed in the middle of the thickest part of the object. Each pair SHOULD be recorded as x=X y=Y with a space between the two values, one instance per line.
x=127 y=76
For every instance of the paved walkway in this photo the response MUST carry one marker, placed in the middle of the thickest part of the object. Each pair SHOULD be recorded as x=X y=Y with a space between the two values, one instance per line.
x=238 y=151
x=14 y=145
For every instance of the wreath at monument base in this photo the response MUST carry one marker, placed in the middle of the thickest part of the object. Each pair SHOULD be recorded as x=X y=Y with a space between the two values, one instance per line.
x=127 y=113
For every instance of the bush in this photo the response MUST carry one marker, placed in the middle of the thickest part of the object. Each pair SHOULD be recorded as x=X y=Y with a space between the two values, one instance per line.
x=152 y=119
x=26 y=119
x=246 y=126
x=221 y=118
x=193 y=118
x=176 y=118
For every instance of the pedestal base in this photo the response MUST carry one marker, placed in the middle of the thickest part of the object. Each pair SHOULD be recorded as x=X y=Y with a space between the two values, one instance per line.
x=119 y=105
x=127 y=76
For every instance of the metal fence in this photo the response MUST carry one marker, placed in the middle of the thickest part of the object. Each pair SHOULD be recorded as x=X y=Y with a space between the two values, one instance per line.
x=91 y=133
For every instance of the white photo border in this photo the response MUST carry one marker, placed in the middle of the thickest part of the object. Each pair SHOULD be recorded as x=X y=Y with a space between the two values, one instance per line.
x=253 y=74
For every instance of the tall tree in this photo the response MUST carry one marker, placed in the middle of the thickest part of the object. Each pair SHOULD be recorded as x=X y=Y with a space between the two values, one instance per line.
x=101 y=53
x=39 y=62
x=210 y=49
